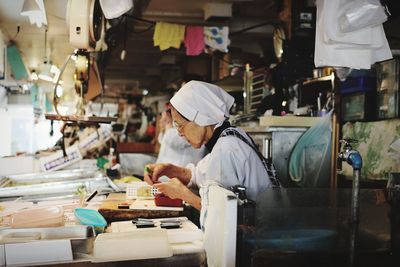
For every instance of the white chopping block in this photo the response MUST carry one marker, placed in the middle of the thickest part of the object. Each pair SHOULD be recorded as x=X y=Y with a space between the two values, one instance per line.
x=145 y=244
x=38 y=252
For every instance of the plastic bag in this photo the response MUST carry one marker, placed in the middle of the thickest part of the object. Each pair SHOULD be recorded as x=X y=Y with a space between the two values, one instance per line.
x=115 y=8
x=310 y=160
x=359 y=14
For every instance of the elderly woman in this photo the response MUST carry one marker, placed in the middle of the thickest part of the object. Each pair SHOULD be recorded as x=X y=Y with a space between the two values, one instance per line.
x=173 y=148
x=200 y=113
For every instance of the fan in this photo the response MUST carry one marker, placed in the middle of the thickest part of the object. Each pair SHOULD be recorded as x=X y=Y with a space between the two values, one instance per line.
x=86 y=24
x=86 y=29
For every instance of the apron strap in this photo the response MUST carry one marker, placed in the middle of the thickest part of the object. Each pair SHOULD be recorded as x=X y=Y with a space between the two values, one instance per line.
x=268 y=165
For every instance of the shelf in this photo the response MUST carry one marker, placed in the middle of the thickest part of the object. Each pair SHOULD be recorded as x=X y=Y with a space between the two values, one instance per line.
x=80 y=119
x=288 y=121
x=135 y=147
x=320 y=79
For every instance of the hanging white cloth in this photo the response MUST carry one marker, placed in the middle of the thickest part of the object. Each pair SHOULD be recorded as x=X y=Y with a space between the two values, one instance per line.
x=358 y=49
x=115 y=8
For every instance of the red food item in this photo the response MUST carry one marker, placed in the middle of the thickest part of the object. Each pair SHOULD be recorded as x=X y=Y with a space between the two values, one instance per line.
x=162 y=200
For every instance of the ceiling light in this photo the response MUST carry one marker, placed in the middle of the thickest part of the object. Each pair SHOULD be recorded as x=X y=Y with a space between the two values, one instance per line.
x=29 y=6
x=59 y=91
x=35 y=11
x=123 y=54
x=34 y=76
x=45 y=74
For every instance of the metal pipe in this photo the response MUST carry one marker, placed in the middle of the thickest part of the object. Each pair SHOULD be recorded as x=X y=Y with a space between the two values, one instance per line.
x=353 y=158
x=355 y=209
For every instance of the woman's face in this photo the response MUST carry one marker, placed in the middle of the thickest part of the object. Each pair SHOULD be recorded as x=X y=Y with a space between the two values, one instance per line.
x=192 y=132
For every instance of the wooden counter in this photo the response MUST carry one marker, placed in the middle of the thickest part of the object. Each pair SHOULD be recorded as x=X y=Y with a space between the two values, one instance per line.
x=110 y=211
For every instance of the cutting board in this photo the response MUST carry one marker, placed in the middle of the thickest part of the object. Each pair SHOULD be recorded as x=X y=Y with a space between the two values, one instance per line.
x=110 y=211
x=188 y=232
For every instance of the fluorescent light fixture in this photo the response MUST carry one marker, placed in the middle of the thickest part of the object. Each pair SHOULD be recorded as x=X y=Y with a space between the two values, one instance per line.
x=34 y=76
x=59 y=91
x=35 y=11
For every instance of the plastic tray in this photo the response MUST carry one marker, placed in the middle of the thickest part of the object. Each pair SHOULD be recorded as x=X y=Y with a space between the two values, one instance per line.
x=140 y=190
x=38 y=217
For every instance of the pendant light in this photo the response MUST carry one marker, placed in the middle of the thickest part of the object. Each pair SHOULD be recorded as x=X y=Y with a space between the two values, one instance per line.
x=123 y=52
x=35 y=11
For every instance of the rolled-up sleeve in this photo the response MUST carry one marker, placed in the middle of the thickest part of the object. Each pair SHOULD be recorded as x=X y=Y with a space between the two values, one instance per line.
x=192 y=182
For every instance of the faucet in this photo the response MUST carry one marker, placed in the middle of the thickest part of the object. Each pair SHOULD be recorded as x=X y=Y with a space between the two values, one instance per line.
x=354 y=159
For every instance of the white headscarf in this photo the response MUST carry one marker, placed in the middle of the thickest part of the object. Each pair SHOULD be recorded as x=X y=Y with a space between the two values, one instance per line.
x=203 y=103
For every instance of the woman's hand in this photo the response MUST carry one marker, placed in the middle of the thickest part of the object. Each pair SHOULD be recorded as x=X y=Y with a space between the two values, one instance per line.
x=148 y=173
x=174 y=188
x=154 y=171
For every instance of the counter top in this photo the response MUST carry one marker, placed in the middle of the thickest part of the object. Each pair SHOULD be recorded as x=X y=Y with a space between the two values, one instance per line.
x=110 y=211
x=288 y=121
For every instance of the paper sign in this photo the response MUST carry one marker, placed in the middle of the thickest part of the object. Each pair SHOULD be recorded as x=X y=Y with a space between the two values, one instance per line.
x=57 y=160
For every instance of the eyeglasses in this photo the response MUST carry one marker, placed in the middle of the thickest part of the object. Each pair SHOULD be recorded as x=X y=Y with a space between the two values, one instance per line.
x=179 y=126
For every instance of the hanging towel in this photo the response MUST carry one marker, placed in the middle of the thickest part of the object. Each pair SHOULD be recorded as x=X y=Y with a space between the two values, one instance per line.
x=217 y=38
x=194 y=40
x=168 y=35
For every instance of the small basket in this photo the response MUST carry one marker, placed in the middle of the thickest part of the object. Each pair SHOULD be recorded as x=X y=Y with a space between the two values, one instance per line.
x=140 y=190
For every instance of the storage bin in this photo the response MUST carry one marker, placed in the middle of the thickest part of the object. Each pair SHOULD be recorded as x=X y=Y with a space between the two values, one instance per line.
x=91 y=217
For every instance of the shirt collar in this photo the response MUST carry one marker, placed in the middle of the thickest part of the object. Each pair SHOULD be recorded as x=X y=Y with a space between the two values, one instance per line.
x=217 y=132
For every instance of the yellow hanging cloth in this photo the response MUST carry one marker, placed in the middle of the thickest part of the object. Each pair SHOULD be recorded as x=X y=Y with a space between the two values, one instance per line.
x=168 y=35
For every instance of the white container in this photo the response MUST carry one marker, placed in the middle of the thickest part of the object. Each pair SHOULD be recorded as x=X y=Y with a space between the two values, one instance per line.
x=145 y=244
x=38 y=252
